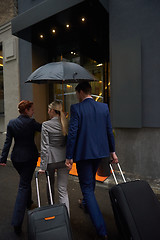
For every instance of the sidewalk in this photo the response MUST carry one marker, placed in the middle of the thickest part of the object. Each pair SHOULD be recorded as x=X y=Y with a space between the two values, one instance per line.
x=82 y=227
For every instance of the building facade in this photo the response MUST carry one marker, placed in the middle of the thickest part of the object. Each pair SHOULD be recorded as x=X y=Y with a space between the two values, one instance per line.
x=118 y=42
x=9 y=67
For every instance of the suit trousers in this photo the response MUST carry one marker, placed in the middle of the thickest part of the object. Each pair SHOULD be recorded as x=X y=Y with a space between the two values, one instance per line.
x=86 y=173
x=62 y=183
x=24 y=196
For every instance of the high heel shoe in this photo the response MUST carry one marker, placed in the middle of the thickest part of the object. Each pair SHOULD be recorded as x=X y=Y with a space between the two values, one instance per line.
x=18 y=230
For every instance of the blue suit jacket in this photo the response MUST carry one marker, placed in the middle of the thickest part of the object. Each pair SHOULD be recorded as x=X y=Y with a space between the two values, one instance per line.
x=90 y=131
x=22 y=129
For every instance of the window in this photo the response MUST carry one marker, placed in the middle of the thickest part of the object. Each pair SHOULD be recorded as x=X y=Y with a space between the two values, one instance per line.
x=1 y=82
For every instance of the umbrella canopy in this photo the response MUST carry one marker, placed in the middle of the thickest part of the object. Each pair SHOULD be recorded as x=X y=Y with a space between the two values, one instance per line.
x=58 y=72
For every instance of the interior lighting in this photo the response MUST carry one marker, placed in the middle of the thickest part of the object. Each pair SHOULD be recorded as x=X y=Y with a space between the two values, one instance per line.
x=69 y=86
x=83 y=19
x=99 y=96
x=41 y=36
x=1 y=57
x=108 y=85
x=53 y=31
x=100 y=64
x=71 y=52
x=67 y=26
x=1 y=65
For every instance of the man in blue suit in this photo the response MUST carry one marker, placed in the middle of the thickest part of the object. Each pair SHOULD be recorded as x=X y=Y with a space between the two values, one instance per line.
x=90 y=139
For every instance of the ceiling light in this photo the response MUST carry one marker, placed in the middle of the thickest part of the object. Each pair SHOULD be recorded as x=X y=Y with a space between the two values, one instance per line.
x=67 y=25
x=41 y=36
x=83 y=19
x=53 y=31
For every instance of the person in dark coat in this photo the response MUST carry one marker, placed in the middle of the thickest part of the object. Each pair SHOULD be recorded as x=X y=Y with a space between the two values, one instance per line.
x=24 y=157
x=90 y=139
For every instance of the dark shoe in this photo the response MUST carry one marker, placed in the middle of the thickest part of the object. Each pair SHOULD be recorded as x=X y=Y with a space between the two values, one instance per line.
x=101 y=238
x=82 y=206
x=18 y=230
x=33 y=206
x=29 y=204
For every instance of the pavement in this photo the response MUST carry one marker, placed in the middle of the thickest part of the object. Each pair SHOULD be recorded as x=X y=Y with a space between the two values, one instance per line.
x=81 y=224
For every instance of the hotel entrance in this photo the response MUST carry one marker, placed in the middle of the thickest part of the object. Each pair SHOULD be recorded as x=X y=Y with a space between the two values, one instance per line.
x=76 y=32
x=79 y=34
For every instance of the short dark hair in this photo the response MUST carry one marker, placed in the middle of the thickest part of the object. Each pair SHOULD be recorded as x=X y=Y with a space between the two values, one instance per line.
x=24 y=104
x=84 y=86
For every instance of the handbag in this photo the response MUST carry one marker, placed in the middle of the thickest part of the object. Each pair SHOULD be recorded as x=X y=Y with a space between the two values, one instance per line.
x=104 y=168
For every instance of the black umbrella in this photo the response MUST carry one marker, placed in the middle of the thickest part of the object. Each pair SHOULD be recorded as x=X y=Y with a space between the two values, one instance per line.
x=60 y=72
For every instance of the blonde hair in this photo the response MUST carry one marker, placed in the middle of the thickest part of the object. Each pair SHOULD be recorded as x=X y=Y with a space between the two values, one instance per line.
x=57 y=107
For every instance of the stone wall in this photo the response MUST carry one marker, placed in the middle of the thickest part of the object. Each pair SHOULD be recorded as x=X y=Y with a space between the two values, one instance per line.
x=8 y=10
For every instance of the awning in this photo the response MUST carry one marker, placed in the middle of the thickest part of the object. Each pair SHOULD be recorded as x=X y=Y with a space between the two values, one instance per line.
x=38 y=13
x=36 y=26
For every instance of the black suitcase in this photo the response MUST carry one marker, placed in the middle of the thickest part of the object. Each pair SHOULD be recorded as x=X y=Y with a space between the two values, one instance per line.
x=136 y=209
x=48 y=222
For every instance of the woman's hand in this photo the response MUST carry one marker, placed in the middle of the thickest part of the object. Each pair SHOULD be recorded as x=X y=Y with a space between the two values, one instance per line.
x=41 y=171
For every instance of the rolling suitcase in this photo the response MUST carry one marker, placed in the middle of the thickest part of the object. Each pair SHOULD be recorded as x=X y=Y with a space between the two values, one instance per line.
x=136 y=209
x=48 y=222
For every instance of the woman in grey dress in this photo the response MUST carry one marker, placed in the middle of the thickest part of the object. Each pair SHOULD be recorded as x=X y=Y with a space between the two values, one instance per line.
x=53 y=150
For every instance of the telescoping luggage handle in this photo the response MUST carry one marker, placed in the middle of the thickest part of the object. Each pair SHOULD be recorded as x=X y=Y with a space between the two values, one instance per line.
x=49 y=187
x=114 y=173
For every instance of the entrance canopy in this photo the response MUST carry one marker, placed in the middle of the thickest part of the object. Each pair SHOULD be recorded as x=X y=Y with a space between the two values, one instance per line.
x=59 y=24
x=38 y=13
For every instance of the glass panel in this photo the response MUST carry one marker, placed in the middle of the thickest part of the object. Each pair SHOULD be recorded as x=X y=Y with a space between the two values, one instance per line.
x=1 y=82
x=66 y=92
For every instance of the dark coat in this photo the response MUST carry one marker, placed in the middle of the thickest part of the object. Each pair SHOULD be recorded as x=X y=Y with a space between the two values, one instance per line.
x=22 y=129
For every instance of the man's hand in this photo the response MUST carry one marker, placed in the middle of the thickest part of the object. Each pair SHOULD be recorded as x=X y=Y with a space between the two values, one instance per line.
x=3 y=164
x=69 y=163
x=114 y=157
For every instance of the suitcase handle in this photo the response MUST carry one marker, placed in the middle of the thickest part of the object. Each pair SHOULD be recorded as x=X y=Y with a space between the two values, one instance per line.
x=37 y=188
x=114 y=176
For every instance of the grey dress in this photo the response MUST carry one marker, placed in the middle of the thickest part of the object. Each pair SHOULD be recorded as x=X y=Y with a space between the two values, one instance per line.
x=53 y=143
